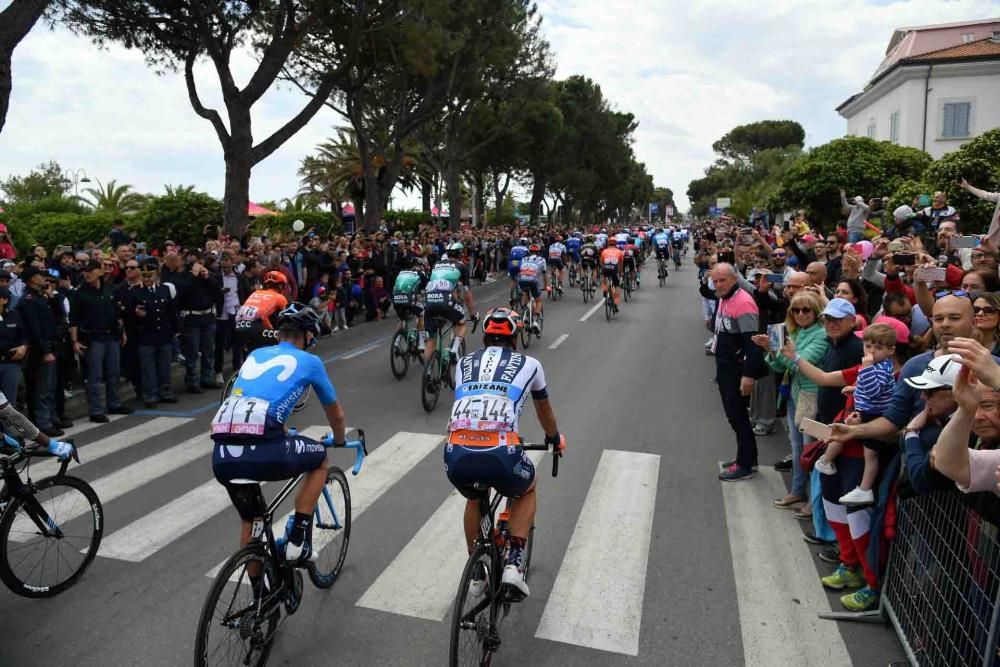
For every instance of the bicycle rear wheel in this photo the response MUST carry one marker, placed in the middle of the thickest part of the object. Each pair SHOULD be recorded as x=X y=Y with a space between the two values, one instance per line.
x=236 y=627
x=585 y=288
x=608 y=300
x=228 y=387
x=526 y=329
x=430 y=384
x=49 y=539
x=399 y=355
x=470 y=616
x=331 y=529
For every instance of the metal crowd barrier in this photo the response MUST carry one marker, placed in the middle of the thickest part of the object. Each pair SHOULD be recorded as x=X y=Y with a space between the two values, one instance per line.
x=941 y=589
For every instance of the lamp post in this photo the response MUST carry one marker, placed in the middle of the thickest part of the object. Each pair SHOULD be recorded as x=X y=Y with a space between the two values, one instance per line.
x=77 y=176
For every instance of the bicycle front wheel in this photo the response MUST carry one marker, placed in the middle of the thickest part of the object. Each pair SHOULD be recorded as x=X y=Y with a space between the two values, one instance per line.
x=237 y=624
x=470 y=617
x=49 y=539
x=331 y=529
x=399 y=355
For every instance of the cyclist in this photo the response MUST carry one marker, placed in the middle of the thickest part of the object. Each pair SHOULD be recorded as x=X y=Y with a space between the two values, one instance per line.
x=16 y=424
x=573 y=244
x=406 y=293
x=447 y=288
x=517 y=253
x=556 y=252
x=677 y=241
x=531 y=267
x=482 y=452
x=612 y=264
x=253 y=319
x=589 y=255
x=630 y=255
x=601 y=239
x=253 y=442
x=661 y=241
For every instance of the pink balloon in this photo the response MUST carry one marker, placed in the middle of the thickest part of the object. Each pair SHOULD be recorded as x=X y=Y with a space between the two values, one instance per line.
x=863 y=248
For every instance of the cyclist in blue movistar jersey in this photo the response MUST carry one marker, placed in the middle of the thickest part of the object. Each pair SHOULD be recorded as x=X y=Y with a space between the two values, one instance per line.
x=252 y=440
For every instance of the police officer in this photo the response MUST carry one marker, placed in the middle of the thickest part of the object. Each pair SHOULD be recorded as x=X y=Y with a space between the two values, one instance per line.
x=40 y=333
x=13 y=347
x=96 y=331
x=151 y=311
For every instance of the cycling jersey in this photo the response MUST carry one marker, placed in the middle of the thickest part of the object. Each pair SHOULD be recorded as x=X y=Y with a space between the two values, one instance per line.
x=589 y=254
x=661 y=240
x=611 y=258
x=621 y=237
x=573 y=245
x=629 y=252
x=406 y=293
x=601 y=240
x=270 y=383
x=556 y=250
x=260 y=306
x=491 y=388
x=532 y=267
x=517 y=253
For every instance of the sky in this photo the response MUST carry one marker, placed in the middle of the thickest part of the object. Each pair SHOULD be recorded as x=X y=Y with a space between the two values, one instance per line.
x=688 y=71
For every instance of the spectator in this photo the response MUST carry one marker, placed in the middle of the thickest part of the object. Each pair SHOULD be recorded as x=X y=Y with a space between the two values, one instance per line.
x=97 y=333
x=986 y=316
x=817 y=273
x=118 y=236
x=65 y=359
x=857 y=213
x=13 y=347
x=197 y=296
x=323 y=305
x=235 y=289
x=938 y=211
x=40 y=333
x=851 y=290
x=935 y=386
x=834 y=258
x=738 y=363
x=993 y=233
x=152 y=308
x=7 y=250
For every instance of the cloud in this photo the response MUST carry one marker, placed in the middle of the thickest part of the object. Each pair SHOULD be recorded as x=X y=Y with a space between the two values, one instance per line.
x=688 y=71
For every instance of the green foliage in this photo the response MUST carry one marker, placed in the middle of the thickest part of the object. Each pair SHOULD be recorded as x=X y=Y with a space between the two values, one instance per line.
x=45 y=182
x=409 y=220
x=744 y=141
x=19 y=234
x=52 y=229
x=180 y=217
x=978 y=162
x=323 y=222
x=860 y=165
x=114 y=198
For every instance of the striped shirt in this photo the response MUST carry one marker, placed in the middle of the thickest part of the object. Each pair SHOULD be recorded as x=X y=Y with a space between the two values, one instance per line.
x=874 y=389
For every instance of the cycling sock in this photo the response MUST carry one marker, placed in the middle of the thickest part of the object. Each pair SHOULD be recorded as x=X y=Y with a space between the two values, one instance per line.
x=456 y=345
x=517 y=542
x=300 y=528
x=423 y=341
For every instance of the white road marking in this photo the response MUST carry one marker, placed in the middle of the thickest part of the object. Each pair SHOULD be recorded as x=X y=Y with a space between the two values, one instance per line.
x=112 y=444
x=596 y=600
x=422 y=580
x=148 y=534
x=381 y=470
x=597 y=306
x=558 y=341
x=360 y=351
x=778 y=620
x=85 y=425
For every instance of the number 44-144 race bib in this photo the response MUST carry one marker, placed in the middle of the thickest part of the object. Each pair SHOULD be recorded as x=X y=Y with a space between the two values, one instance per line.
x=239 y=415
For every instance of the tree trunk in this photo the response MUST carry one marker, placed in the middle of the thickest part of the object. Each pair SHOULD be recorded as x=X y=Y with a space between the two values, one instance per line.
x=480 y=199
x=499 y=192
x=239 y=164
x=425 y=196
x=15 y=22
x=537 y=195
x=454 y=182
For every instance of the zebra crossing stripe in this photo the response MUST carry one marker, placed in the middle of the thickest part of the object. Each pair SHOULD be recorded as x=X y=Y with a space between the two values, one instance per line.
x=112 y=444
x=84 y=426
x=385 y=466
x=148 y=534
x=423 y=579
x=596 y=600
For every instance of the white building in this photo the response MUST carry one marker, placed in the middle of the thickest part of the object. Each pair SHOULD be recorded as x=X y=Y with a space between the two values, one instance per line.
x=938 y=87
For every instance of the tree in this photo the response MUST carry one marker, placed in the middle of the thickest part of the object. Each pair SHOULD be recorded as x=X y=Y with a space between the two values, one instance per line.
x=177 y=34
x=860 y=165
x=180 y=217
x=978 y=161
x=16 y=21
x=743 y=141
x=114 y=198
x=301 y=203
x=47 y=181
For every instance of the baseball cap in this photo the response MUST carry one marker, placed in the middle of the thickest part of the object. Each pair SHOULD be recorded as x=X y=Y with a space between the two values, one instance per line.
x=902 y=331
x=940 y=372
x=839 y=308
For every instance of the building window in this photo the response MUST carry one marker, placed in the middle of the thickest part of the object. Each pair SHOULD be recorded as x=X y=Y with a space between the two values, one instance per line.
x=955 y=117
x=968 y=37
x=894 y=127
x=870 y=133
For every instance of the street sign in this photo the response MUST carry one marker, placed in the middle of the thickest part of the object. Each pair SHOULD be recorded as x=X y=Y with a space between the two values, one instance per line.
x=654 y=209
x=723 y=202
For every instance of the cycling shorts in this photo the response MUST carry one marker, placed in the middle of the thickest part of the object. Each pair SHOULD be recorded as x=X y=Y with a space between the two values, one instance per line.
x=588 y=262
x=407 y=305
x=252 y=334
x=628 y=263
x=453 y=312
x=556 y=263
x=662 y=252
x=530 y=287
x=574 y=255
x=269 y=460
x=476 y=470
x=513 y=268
x=612 y=275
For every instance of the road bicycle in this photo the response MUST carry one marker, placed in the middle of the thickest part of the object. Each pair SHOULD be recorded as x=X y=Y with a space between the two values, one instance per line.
x=587 y=286
x=50 y=529
x=661 y=271
x=404 y=348
x=439 y=369
x=515 y=296
x=609 y=303
x=572 y=274
x=476 y=619
x=628 y=283
x=677 y=258
x=239 y=619
x=530 y=320
x=555 y=289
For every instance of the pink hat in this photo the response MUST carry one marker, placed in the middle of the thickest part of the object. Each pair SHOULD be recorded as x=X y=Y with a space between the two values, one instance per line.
x=808 y=238
x=902 y=331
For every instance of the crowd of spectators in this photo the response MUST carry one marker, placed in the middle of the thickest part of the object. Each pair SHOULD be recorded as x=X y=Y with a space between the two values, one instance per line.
x=885 y=368
x=86 y=319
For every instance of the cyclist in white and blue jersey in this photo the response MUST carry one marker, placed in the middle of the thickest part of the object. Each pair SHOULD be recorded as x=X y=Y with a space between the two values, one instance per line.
x=252 y=439
x=601 y=239
x=661 y=241
x=533 y=268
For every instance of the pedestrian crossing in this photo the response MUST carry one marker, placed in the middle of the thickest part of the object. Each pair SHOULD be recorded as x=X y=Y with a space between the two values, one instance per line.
x=420 y=581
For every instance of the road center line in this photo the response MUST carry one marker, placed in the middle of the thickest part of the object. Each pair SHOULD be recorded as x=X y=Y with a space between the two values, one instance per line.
x=558 y=341
x=360 y=351
x=597 y=306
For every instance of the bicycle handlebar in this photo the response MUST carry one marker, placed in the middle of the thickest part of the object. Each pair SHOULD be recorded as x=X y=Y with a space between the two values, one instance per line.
x=532 y=446
x=37 y=451
x=359 y=446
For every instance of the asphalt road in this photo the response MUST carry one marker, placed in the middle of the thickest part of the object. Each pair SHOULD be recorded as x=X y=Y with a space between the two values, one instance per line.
x=641 y=556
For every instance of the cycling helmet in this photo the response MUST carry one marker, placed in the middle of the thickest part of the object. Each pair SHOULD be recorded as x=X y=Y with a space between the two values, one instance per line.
x=455 y=247
x=534 y=248
x=275 y=277
x=523 y=241
x=590 y=238
x=502 y=322
x=559 y=237
x=298 y=317
x=418 y=262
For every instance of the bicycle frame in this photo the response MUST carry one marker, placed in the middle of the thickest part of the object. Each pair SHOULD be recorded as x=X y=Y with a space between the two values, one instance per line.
x=15 y=487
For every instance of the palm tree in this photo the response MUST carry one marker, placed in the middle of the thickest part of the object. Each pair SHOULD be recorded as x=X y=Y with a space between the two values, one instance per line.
x=178 y=190
x=303 y=202
x=114 y=198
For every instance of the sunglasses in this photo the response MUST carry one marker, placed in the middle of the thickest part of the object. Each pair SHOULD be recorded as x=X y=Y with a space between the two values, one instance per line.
x=131 y=268
x=952 y=292
x=779 y=254
x=985 y=310
x=800 y=311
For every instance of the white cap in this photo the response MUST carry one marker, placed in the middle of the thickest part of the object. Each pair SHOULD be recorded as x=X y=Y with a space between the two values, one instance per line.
x=940 y=372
